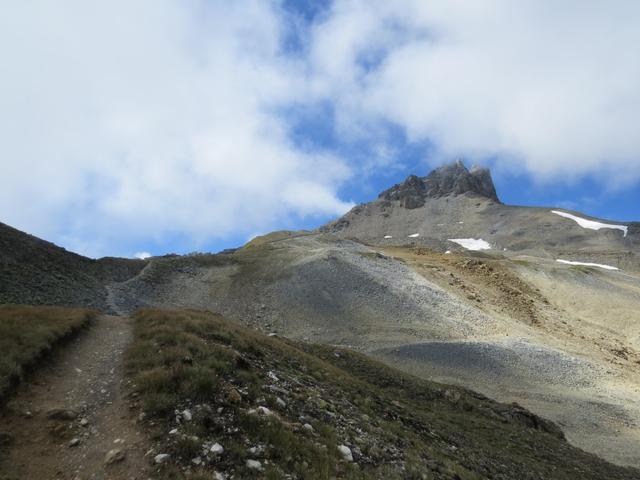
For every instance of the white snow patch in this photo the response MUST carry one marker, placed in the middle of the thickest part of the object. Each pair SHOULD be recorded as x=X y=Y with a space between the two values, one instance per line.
x=460 y=223
x=414 y=235
x=388 y=236
x=142 y=255
x=472 y=243
x=591 y=224
x=447 y=252
x=587 y=264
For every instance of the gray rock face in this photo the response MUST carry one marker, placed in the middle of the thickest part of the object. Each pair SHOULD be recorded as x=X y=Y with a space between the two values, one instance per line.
x=411 y=193
x=452 y=179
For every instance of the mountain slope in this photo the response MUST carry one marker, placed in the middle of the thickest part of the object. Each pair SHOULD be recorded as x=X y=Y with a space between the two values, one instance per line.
x=426 y=212
x=250 y=406
x=36 y=272
x=562 y=340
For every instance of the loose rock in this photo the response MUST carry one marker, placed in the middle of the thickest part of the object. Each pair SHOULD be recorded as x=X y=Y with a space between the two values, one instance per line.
x=346 y=453
x=115 y=456
x=217 y=449
x=254 y=465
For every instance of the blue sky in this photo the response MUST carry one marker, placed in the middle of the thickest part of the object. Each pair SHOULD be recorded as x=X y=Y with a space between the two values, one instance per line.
x=164 y=126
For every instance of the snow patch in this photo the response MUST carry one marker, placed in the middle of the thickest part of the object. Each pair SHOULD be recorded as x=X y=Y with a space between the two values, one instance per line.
x=472 y=243
x=591 y=224
x=587 y=264
x=388 y=236
x=414 y=235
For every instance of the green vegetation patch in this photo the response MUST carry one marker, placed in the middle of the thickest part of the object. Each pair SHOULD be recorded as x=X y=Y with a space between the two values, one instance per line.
x=224 y=401
x=27 y=333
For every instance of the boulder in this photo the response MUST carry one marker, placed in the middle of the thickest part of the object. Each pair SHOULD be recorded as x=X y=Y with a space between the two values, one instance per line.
x=346 y=453
x=254 y=464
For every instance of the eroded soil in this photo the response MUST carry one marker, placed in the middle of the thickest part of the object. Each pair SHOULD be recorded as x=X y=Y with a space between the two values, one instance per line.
x=73 y=414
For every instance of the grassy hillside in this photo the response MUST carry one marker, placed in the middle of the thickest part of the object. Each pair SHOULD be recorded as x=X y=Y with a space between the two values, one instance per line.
x=26 y=333
x=222 y=399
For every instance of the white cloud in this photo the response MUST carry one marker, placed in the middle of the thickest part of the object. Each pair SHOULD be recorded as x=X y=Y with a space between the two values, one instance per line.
x=546 y=86
x=121 y=121
x=142 y=255
x=128 y=122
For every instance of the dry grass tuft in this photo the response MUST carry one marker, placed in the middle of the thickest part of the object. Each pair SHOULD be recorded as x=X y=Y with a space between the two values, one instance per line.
x=27 y=333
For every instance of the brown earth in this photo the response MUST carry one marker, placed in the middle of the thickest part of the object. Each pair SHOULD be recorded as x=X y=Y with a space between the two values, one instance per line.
x=65 y=420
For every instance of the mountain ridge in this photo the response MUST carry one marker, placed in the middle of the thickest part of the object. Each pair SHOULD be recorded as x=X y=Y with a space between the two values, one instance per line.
x=455 y=203
x=562 y=340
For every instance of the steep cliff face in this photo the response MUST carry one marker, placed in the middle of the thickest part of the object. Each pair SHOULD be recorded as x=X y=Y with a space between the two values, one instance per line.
x=452 y=179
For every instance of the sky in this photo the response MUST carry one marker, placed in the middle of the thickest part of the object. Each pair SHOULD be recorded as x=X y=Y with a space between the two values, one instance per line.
x=178 y=126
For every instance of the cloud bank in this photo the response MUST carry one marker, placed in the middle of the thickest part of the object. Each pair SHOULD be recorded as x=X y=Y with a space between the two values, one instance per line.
x=545 y=86
x=125 y=120
x=166 y=121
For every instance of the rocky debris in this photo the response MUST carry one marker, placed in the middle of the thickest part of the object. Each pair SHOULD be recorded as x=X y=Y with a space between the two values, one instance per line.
x=511 y=293
x=116 y=455
x=74 y=442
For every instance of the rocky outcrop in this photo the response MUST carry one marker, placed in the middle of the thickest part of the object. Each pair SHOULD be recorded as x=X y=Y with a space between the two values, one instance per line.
x=451 y=179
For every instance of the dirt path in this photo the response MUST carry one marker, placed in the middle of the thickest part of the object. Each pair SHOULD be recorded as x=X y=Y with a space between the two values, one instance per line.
x=84 y=383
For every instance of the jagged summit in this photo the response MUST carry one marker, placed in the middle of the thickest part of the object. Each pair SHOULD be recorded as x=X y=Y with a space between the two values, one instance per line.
x=453 y=178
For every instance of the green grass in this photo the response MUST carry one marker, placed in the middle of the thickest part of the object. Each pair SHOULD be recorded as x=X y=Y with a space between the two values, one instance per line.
x=398 y=426
x=27 y=333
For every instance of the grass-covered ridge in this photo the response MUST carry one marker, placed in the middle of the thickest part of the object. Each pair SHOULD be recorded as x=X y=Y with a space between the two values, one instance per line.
x=26 y=333
x=224 y=401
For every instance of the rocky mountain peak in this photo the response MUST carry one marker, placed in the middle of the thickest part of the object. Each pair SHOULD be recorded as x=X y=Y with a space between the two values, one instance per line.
x=450 y=179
